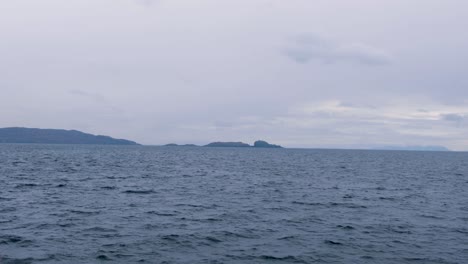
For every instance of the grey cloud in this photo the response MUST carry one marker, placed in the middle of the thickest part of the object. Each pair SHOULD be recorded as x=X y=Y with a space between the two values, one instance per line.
x=306 y=48
x=453 y=117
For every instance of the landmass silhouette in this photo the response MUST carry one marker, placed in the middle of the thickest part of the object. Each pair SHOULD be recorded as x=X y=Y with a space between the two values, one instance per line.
x=257 y=144
x=60 y=136
x=56 y=136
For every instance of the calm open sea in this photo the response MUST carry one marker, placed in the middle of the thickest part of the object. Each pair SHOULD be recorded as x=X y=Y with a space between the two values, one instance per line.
x=93 y=204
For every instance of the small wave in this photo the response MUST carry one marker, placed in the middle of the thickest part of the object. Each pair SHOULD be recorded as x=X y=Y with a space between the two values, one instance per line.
x=85 y=179
x=387 y=198
x=103 y=257
x=66 y=225
x=68 y=170
x=416 y=259
x=332 y=204
x=348 y=205
x=285 y=258
x=399 y=230
x=121 y=245
x=139 y=191
x=460 y=230
x=213 y=239
x=13 y=239
x=109 y=187
x=287 y=238
x=279 y=208
x=211 y=219
x=198 y=206
x=44 y=226
x=236 y=235
x=17 y=260
x=171 y=237
x=161 y=214
x=120 y=255
x=100 y=229
x=203 y=220
x=431 y=216
x=7 y=209
x=307 y=203
x=345 y=227
x=26 y=185
x=331 y=242
x=84 y=212
x=10 y=239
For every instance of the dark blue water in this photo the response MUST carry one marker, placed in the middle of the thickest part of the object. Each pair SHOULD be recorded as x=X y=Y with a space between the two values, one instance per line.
x=93 y=204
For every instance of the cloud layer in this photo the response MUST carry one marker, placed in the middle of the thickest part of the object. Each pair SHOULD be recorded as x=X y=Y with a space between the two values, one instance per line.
x=299 y=73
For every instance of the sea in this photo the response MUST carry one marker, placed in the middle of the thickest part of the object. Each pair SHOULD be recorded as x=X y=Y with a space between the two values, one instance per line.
x=144 y=204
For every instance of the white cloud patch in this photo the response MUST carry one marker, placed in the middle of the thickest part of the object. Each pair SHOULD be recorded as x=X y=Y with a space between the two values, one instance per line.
x=307 y=48
x=336 y=123
x=392 y=122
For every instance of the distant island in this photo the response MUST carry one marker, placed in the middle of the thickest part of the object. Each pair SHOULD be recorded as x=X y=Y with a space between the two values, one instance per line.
x=228 y=145
x=257 y=144
x=56 y=136
x=264 y=144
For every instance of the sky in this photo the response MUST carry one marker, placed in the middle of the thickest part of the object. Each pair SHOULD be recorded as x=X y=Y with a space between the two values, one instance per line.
x=300 y=73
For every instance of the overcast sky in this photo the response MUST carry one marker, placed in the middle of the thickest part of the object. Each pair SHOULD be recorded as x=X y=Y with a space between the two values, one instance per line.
x=301 y=73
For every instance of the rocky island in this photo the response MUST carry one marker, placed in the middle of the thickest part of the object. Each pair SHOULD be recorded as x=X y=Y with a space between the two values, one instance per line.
x=257 y=144
x=228 y=144
x=218 y=144
x=56 y=136
x=264 y=144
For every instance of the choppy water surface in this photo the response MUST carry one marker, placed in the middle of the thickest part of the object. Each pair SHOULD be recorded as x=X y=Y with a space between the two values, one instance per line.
x=93 y=204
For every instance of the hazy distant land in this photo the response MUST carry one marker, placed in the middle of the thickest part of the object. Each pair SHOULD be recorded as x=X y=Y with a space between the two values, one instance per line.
x=61 y=136
x=414 y=148
x=56 y=136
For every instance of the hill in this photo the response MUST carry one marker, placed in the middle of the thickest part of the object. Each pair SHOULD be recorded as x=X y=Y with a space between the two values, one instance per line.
x=228 y=144
x=264 y=144
x=56 y=136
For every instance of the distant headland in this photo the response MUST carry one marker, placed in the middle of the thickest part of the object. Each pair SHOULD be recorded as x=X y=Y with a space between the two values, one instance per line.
x=257 y=144
x=56 y=136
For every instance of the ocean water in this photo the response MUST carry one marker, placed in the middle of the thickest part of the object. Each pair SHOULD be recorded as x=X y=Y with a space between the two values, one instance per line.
x=109 y=204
